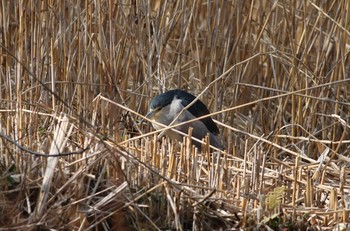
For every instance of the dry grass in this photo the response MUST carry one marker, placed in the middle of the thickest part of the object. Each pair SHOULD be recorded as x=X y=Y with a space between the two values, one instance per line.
x=75 y=78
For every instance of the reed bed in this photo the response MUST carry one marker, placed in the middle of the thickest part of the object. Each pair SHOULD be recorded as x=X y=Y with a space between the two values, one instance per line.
x=75 y=82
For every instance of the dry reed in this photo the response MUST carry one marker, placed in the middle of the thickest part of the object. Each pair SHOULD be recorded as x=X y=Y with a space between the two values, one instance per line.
x=76 y=78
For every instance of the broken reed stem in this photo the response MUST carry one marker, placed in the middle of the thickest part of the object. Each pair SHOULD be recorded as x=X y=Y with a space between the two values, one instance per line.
x=261 y=67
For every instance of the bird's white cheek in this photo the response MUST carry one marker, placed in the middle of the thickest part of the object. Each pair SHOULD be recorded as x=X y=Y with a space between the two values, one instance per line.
x=156 y=126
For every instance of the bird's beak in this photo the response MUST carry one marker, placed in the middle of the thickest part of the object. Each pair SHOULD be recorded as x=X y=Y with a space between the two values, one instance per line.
x=148 y=115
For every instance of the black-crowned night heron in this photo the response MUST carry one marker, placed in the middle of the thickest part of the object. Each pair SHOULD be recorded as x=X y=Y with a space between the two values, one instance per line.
x=164 y=108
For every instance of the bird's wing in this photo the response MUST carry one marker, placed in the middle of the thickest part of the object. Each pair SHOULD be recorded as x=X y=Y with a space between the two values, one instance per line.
x=199 y=109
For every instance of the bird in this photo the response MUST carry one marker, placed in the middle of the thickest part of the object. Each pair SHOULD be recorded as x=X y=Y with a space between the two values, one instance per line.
x=165 y=107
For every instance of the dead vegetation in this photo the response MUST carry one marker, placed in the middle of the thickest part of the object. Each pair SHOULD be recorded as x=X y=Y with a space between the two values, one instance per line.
x=75 y=78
